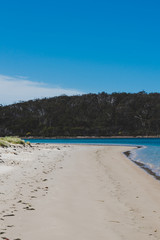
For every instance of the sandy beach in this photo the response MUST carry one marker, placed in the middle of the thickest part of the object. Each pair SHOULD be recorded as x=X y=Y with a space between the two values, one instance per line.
x=76 y=192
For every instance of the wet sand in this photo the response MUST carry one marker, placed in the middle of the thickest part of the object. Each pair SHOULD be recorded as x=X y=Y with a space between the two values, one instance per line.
x=68 y=192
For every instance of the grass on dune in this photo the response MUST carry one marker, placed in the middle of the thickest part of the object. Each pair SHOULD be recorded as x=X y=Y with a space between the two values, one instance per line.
x=5 y=141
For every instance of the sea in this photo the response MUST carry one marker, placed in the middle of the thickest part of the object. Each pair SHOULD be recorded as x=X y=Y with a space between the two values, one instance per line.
x=147 y=153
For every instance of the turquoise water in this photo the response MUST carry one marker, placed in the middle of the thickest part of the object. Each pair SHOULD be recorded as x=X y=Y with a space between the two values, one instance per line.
x=149 y=154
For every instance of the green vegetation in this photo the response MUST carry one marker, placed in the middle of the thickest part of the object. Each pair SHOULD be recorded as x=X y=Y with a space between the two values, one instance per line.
x=5 y=141
x=116 y=114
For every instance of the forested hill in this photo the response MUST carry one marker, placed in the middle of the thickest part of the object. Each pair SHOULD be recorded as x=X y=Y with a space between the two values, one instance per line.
x=103 y=114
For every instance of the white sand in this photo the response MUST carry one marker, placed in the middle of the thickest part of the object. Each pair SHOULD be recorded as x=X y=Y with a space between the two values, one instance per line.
x=77 y=192
x=5 y=169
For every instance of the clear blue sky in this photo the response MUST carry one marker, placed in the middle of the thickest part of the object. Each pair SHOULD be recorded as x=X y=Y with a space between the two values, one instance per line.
x=84 y=46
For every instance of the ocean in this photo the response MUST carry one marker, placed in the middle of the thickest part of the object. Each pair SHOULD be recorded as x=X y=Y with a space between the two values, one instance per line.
x=148 y=155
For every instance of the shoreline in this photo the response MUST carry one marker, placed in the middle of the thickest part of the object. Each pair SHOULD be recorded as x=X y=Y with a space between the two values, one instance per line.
x=67 y=192
x=142 y=166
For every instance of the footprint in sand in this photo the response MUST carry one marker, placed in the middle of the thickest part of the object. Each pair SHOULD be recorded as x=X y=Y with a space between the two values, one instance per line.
x=33 y=197
x=9 y=215
x=29 y=208
x=10 y=226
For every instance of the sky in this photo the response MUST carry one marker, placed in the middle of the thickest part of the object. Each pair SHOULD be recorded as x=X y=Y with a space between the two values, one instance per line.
x=50 y=48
